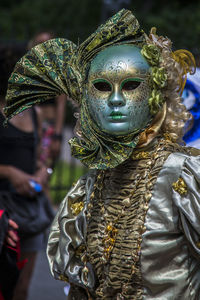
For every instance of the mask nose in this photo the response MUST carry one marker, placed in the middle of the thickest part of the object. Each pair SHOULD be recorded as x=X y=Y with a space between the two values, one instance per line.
x=116 y=99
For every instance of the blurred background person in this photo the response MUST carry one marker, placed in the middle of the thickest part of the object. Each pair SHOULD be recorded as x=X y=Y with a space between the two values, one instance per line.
x=20 y=167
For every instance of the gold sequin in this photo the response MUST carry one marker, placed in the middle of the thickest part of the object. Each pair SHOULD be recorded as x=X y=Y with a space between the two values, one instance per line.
x=180 y=186
x=167 y=137
x=77 y=208
x=198 y=244
x=85 y=275
x=148 y=196
x=126 y=202
x=102 y=210
x=140 y=155
x=80 y=250
x=84 y=258
x=89 y=205
x=155 y=155
x=132 y=269
x=109 y=240
x=92 y=196
x=63 y=278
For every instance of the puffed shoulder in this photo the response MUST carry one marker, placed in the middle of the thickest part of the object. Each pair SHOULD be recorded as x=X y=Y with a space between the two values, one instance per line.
x=186 y=196
x=68 y=232
x=76 y=192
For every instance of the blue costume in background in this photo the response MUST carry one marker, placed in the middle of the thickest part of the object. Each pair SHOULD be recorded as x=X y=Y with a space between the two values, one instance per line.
x=191 y=99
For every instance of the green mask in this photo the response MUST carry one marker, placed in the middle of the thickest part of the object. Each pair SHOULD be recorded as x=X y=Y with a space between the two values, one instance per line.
x=118 y=90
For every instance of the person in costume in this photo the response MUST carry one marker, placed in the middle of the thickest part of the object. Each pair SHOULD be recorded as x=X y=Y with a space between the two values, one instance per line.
x=129 y=229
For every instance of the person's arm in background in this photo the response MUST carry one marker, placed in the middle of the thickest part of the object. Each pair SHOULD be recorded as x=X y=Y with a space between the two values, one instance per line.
x=18 y=178
x=41 y=169
x=11 y=237
x=59 y=121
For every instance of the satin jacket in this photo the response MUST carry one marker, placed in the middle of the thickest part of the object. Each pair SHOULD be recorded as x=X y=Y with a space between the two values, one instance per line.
x=170 y=249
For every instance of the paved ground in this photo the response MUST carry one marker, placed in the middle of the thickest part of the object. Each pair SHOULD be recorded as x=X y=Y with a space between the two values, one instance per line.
x=43 y=285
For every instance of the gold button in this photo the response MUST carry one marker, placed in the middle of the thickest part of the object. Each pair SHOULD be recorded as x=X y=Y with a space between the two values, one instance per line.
x=198 y=244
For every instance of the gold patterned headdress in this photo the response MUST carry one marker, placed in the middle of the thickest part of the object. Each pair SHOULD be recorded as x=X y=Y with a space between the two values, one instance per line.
x=59 y=66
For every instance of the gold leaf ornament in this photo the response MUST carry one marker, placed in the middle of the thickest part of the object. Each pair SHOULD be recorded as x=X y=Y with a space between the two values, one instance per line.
x=180 y=187
x=77 y=208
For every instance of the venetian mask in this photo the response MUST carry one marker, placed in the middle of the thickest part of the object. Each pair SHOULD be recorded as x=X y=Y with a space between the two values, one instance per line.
x=118 y=90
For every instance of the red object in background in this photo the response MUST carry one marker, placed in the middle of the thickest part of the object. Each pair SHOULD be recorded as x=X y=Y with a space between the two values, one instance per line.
x=9 y=261
x=1 y=213
x=1 y=296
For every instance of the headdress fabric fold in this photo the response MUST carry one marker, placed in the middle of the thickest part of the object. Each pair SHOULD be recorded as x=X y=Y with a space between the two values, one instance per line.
x=59 y=66
x=44 y=72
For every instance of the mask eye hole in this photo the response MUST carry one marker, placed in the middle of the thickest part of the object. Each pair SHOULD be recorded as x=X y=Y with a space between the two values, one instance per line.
x=102 y=86
x=130 y=85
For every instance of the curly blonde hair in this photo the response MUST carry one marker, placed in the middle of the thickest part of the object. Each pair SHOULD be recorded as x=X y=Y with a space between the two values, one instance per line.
x=176 y=65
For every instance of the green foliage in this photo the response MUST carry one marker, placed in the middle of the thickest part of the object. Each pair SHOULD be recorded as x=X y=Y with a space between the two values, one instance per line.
x=75 y=20
x=63 y=177
x=178 y=20
x=22 y=19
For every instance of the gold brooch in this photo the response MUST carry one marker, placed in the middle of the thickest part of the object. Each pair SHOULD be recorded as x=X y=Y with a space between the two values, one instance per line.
x=180 y=186
x=77 y=208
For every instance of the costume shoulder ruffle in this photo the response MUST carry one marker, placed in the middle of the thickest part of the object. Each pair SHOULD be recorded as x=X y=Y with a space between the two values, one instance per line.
x=186 y=197
x=68 y=234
